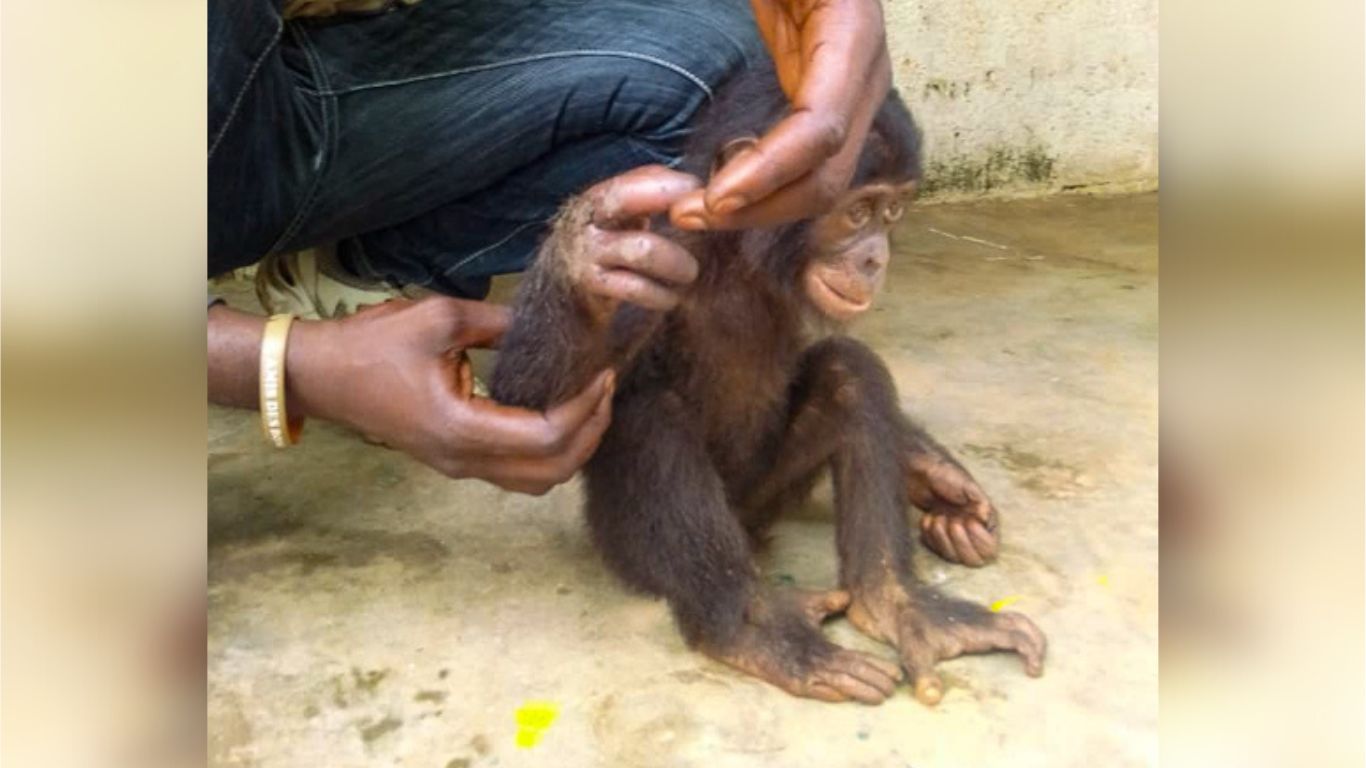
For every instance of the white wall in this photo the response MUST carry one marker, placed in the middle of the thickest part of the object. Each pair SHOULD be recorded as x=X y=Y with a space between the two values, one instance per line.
x=1030 y=95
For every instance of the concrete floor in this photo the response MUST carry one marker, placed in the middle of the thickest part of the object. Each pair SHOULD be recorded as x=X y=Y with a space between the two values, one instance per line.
x=366 y=611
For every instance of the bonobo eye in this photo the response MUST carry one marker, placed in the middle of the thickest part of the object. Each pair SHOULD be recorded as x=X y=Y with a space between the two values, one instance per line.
x=894 y=210
x=859 y=213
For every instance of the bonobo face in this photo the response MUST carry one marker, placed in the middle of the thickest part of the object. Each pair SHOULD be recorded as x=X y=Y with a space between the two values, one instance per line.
x=852 y=249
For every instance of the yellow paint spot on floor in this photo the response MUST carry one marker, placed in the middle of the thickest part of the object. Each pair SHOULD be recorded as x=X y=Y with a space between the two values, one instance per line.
x=528 y=738
x=533 y=719
x=1004 y=603
x=1103 y=580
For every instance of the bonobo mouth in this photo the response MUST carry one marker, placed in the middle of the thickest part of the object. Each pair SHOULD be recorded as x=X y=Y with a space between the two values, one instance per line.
x=837 y=294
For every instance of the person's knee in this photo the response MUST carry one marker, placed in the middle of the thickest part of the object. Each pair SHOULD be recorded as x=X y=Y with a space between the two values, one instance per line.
x=706 y=39
x=658 y=81
x=650 y=101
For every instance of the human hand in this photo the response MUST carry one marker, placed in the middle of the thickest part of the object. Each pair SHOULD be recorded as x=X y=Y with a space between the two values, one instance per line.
x=832 y=62
x=398 y=373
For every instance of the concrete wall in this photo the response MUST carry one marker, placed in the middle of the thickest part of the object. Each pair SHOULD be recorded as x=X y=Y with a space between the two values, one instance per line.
x=1030 y=95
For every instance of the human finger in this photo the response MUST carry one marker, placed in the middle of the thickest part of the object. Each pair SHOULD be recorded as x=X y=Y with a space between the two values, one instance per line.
x=482 y=324
x=482 y=426
x=536 y=476
x=844 y=76
x=443 y=322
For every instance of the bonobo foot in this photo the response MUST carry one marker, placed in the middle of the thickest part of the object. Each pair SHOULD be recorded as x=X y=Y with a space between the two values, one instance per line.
x=928 y=627
x=959 y=521
x=781 y=643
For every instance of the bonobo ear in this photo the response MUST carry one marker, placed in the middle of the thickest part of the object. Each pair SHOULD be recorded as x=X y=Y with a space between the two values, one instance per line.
x=729 y=150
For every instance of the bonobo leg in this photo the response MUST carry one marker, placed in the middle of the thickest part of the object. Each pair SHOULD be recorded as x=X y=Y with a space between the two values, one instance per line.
x=958 y=521
x=848 y=417
x=659 y=514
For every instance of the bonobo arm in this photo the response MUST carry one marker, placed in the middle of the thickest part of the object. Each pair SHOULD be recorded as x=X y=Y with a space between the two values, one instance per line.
x=597 y=290
x=552 y=343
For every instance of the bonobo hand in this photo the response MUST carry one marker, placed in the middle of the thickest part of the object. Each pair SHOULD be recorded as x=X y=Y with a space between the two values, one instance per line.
x=958 y=521
x=832 y=62
x=397 y=372
x=609 y=251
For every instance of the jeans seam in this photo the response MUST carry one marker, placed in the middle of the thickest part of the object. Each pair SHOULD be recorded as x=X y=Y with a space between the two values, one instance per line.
x=329 y=136
x=638 y=145
x=242 y=92
x=588 y=52
x=491 y=246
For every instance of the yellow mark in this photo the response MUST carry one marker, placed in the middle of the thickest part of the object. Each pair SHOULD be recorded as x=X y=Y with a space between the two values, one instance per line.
x=1103 y=580
x=537 y=715
x=1004 y=603
x=533 y=718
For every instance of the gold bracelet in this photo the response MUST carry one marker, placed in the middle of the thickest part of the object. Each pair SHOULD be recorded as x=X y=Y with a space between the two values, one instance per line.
x=279 y=429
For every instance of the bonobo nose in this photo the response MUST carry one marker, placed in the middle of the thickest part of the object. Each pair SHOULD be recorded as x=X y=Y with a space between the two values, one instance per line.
x=874 y=261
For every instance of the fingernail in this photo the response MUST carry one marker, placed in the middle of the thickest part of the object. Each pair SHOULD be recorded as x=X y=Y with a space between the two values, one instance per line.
x=691 y=221
x=729 y=205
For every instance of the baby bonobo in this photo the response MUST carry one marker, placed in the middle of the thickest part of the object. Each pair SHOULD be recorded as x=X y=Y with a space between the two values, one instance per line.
x=735 y=392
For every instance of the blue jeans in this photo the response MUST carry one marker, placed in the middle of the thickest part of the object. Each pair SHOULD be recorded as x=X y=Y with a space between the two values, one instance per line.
x=433 y=142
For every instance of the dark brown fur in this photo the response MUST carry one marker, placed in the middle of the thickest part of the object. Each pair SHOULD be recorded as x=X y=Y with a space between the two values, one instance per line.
x=727 y=410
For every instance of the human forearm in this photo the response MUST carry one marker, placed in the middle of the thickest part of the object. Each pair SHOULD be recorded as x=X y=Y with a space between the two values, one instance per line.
x=398 y=373
x=235 y=361
x=234 y=356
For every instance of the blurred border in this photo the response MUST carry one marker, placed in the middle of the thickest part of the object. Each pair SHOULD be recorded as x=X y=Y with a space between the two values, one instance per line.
x=102 y=242
x=1262 y=383
x=101 y=332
